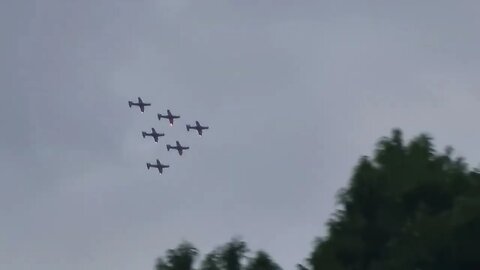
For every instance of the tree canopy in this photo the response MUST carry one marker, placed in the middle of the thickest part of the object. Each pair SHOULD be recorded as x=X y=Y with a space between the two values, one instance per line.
x=407 y=207
x=230 y=256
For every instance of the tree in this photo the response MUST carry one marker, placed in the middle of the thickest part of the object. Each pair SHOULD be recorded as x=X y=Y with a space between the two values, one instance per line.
x=180 y=258
x=262 y=261
x=211 y=261
x=232 y=254
x=408 y=207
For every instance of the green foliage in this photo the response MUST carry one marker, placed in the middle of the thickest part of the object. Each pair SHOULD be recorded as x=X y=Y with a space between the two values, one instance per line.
x=262 y=261
x=230 y=256
x=180 y=258
x=211 y=262
x=408 y=207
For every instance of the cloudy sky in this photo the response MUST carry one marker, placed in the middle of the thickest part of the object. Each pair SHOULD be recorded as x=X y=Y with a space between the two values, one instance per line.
x=294 y=93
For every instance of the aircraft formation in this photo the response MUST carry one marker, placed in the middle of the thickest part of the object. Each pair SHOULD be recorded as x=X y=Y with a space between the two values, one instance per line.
x=156 y=135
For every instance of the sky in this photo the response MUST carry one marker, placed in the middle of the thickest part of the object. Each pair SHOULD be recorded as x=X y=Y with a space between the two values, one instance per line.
x=294 y=92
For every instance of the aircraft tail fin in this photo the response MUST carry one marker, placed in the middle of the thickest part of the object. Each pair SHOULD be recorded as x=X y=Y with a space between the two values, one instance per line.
x=148 y=166
x=188 y=127
x=144 y=134
x=130 y=104
x=159 y=116
x=169 y=147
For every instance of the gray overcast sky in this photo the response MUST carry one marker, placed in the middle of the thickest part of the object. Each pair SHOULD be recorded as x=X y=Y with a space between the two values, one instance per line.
x=294 y=93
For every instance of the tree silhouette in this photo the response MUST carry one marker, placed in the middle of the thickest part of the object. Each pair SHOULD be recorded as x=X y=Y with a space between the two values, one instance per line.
x=262 y=261
x=180 y=258
x=211 y=261
x=407 y=207
x=232 y=254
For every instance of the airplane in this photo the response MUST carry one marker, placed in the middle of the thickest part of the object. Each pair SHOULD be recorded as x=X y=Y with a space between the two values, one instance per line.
x=169 y=116
x=154 y=134
x=159 y=166
x=178 y=147
x=140 y=104
x=198 y=127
